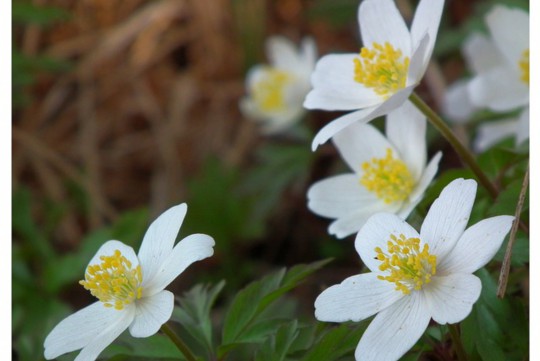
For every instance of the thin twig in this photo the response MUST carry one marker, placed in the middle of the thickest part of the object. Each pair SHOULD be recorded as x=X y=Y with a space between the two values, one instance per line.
x=505 y=268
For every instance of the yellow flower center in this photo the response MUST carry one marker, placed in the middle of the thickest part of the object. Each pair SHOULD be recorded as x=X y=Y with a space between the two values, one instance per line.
x=407 y=266
x=114 y=281
x=524 y=67
x=388 y=178
x=382 y=68
x=269 y=91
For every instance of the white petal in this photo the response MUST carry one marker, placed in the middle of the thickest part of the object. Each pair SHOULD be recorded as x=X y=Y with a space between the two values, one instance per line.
x=457 y=106
x=424 y=182
x=356 y=298
x=426 y=21
x=360 y=143
x=381 y=22
x=477 y=246
x=309 y=53
x=108 y=249
x=159 y=240
x=338 y=196
x=83 y=328
x=282 y=53
x=481 y=54
x=376 y=233
x=191 y=249
x=406 y=130
x=499 y=89
x=419 y=62
x=394 y=330
x=509 y=28
x=491 y=133
x=450 y=298
x=152 y=312
x=353 y=222
x=334 y=87
x=363 y=116
x=522 y=129
x=448 y=216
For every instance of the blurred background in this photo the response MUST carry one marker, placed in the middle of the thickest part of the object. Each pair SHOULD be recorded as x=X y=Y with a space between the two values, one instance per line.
x=123 y=108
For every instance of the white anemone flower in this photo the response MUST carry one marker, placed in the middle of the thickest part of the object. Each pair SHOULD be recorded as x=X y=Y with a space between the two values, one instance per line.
x=276 y=91
x=130 y=288
x=385 y=72
x=389 y=173
x=415 y=276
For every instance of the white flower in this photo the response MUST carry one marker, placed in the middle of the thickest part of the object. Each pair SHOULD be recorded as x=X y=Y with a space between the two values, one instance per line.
x=384 y=74
x=415 y=277
x=389 y=173
x=130 y=288
x=500 y=67
x=276 y=91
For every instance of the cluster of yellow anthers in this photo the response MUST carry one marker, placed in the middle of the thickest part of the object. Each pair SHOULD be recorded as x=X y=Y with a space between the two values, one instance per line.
x=524 y=66
x=268 y=92
x=409 y=267
x=383 y=68
x=114 y=282
x=388 y=178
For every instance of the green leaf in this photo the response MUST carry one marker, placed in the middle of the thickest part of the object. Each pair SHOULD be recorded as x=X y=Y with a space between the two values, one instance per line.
x=276 y=348
x=156 y=346
x=335 y=343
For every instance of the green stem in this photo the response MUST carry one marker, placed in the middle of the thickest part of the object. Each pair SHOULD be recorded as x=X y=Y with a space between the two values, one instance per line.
x=178 y=342
x=461 y=150
x=456 y=341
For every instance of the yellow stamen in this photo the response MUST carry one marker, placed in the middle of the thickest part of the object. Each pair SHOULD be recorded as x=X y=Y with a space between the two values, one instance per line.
x=114 y=281
x=389 y=178
x=524 y=67
x=382 y=68
x=269 y=91
x=407 y=266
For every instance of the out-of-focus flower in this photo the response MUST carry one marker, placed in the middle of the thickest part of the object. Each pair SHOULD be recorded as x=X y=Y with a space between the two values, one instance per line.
x=500 y=67
x=389 y=173
x=276 y=91
x=130 y=288
x=415 y=277
x=383 y=75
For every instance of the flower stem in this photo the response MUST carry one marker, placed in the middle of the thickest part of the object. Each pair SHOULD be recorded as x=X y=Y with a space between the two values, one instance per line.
x=456 y=341
x=178 y=342
x=464 y=153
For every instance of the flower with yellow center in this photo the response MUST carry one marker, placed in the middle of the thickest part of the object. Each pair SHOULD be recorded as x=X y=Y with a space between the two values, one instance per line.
x=383 y=74
x=130 y=288
x=499 y=62
x=390 y=173
x=276 y=91
x=415 y=277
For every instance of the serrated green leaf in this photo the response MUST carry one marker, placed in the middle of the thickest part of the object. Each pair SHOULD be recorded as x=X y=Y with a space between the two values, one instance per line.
x=276 y=348
x=335 y=343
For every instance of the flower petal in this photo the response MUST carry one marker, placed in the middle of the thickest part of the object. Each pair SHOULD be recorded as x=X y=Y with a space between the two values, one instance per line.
x=108 y=249
x=94 y=327
x=360 y=143
x=159 y=240
x=509 y=28
x=191 y=249
x=394 y=330
x=338 y=196
x=380 y=22
x=448 y=216
x=376 y=233
x=356 y=298
x=450 y=298
x=309 y=53
x=481 y=54
x=457 y=106
x=353 y=222
x=334 y=87
x=426 y=21
x=419 y=62
x=363 y=116
x=498 y=89
x=491 y=133
x=152 y=312
x=282 y=53
x=522 y=129
x=406 y=130
x=477 y=246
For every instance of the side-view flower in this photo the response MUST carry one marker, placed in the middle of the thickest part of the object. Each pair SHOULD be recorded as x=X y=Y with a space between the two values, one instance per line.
x=130 y=288
x=415 y=277
x=385 y=72
x=276 y=91
x=389 y=173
